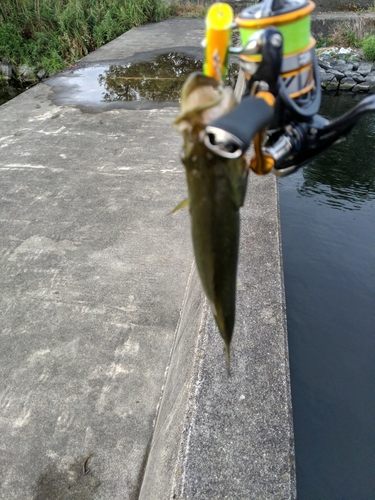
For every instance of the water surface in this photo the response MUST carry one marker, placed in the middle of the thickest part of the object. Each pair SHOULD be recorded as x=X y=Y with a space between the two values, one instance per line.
x=328 y=233
x=144 y=81
x=8 y=90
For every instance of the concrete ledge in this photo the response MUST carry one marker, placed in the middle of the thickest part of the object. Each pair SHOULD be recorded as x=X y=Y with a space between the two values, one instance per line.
x=324 y=24
x=220 y=436
x=341 y=5
x=165 y=450
x=231 y=437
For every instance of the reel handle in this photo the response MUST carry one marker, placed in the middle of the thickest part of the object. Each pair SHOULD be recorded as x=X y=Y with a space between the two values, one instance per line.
x=230 y=135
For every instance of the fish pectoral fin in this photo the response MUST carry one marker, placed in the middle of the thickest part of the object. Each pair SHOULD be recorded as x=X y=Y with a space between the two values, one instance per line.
x=180 y=206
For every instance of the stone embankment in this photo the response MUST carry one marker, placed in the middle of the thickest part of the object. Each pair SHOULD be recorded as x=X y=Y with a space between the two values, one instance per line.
x=23 y=73
x=345 y=69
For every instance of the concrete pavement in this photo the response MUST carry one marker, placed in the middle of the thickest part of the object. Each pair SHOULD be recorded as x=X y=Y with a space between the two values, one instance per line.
x=107 y=345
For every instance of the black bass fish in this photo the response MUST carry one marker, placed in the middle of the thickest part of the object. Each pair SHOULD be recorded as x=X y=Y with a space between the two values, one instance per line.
x=216 y=191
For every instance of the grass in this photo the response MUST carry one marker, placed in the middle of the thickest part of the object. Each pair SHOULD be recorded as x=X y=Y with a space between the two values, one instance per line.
x=351 y=34
x=188 y=9
x=368 y=47
x=52 y=34
x=348 y=34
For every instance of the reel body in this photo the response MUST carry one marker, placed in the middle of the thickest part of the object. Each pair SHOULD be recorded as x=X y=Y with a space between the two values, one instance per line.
x=279 y=62
x=292 y=19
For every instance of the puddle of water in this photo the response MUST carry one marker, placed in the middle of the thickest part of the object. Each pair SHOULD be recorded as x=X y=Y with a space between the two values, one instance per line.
x=139 y=84
x=160 y=80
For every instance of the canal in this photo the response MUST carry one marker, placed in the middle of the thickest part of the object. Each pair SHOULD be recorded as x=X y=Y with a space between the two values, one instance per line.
x=328 y=237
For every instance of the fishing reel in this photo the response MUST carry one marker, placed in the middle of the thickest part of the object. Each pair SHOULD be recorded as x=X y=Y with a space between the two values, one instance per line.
x=279 y=108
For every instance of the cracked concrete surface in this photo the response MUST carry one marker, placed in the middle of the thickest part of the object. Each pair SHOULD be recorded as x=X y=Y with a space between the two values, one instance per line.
x=99 y=298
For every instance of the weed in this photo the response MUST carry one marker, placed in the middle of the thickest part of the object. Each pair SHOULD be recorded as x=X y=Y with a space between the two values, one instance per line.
x=323 y=42
x=188 y=9
x=348 y=34
x=368 y=47
x=52 y=34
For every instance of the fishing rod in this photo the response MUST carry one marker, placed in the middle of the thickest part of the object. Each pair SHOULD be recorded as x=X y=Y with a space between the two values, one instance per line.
x=278 y=113
x=279 y=109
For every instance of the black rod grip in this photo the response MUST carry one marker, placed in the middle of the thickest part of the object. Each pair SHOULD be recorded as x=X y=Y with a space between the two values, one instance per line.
x=250 y=116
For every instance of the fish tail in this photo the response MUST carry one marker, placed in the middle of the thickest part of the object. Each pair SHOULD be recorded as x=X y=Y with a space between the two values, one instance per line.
x=227 y=356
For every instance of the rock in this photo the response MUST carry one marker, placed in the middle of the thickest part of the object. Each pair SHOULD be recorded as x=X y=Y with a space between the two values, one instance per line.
x=324 y=64
x=361 y=87
x=6 y=70
x=355 y=63
x=347 y=83
x=325 y=78
x=332 y=61
x=344 y=67
x=356 y=76
x=339 y=76
x=370 y=81
x=333 y=84
x=41 y=74
x=351 y=74
x=26 y=73
x=364 y=68
x=322 y=73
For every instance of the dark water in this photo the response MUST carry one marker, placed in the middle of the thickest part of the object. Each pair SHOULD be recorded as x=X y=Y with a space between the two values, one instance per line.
x=328 y=232
x=9 y=90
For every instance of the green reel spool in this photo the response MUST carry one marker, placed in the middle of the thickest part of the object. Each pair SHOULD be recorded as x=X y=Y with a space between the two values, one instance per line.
x=293 y=19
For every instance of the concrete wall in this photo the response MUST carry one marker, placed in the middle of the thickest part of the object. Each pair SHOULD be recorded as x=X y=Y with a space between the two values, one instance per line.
x=321 y=5
x=342 y=5
x=324 y=25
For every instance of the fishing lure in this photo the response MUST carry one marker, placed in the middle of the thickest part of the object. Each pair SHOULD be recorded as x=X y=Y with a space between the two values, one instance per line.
x=216 y=191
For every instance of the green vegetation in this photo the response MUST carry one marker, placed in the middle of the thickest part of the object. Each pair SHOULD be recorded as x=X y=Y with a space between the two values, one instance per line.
x=348 y=35
x=368 y=47
x=197 y=8
x=323 y=42
x=52 y=34
x=351 y=34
